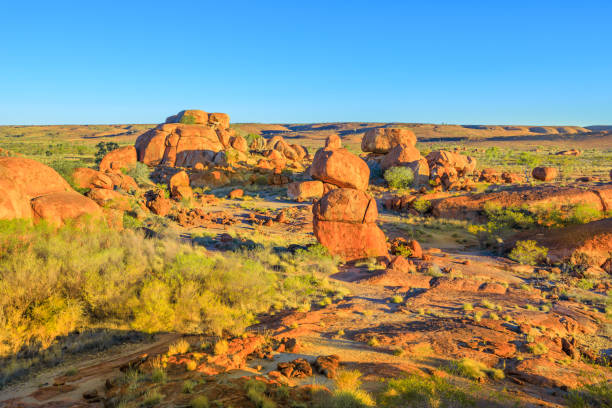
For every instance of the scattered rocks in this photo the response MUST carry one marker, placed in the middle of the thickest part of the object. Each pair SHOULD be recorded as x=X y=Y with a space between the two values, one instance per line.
x=298 y=368
x=157 y=203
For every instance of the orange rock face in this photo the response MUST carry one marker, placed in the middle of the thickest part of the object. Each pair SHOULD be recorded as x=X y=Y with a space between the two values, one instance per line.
x=346 y=205
x=351 y=241
x=341 y=168
x=382 y=140
x=124 y=157
x=544 y=173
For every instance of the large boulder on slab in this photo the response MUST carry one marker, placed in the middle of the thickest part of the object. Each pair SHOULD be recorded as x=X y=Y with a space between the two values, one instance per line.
x=305 y=190
x=400 y=155
x=341 y=168
x=382 y=140
x=179 y=186
x=84 y=177
x=544 y=173
x=59 y=207
x=122 y=158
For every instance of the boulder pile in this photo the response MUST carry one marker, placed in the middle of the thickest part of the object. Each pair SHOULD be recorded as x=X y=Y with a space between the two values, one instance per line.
x=185 y=139
x=213 y=154
x=393 y=147
x=345 y=217
x=32 y=190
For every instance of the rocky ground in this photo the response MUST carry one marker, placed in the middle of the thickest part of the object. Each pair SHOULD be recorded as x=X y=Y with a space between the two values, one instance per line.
x=429 y=290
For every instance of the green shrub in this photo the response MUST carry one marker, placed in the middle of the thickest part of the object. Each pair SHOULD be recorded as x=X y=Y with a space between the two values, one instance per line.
x=421 y=205
x=528 y=253
x=255 y=391
x=103 y=149
x=593 y=395
x=475 y=370
x=399 y=177
x=54 y=280
x=417 y=391
x=188 y=120
x=140 y=172
x=65 y=168
x=152 y=398
x=199 y=402
x=348 y=393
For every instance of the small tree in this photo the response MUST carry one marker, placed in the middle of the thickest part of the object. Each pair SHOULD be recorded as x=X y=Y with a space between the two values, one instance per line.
x=103 y=148
x=399 y=177
x=528 y=252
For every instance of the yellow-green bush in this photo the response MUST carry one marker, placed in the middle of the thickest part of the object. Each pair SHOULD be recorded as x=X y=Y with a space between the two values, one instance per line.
x=53 y=281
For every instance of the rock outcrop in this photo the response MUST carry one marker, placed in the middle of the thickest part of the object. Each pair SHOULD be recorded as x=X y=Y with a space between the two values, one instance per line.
x=188 y=138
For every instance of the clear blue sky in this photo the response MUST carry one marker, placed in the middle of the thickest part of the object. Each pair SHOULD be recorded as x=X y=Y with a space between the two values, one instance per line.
x=486 y=62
